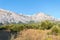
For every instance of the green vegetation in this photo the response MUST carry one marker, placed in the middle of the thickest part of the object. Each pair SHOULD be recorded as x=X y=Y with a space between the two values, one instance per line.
x=49 y=28
x=45 y=25
x=55 y=30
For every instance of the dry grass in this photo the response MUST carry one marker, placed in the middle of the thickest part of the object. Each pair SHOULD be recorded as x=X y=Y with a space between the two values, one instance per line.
x=54 y=37
x=34 y=34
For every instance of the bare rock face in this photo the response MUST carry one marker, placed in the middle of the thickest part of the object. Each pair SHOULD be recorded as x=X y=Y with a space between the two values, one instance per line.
x=42 y=17
x=12 y=17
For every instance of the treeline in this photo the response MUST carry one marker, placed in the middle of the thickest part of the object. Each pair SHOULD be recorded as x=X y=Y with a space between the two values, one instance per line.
x=44 y=25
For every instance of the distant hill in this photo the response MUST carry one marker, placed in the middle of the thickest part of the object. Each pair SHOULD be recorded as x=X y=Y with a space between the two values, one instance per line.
x=12 y=17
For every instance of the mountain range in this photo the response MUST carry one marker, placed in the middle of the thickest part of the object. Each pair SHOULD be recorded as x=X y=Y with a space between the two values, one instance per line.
x=12 y=17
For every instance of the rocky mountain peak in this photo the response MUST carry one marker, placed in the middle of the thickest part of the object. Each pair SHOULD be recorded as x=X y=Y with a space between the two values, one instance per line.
x=12 y=17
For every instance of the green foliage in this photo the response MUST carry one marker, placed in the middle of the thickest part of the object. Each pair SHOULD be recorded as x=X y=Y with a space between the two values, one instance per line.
x=55 y=30
x=42 y=25
x=14 y=27
x=17 y=27
x=2 y=27
x=46 y=24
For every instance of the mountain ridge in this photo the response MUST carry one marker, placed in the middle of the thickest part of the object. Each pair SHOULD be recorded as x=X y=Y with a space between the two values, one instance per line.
x=12 y=17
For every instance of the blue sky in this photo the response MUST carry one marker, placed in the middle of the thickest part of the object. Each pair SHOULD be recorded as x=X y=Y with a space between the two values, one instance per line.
x=29 y=7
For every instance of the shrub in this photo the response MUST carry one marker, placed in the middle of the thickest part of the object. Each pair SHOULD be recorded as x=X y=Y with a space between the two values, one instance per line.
x=55 y=30
x=17 y=27
x=46 y=24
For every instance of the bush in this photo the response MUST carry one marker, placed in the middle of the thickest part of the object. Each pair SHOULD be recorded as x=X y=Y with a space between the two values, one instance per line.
x=17 y=27
x=46 y=24
x=55 y=30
